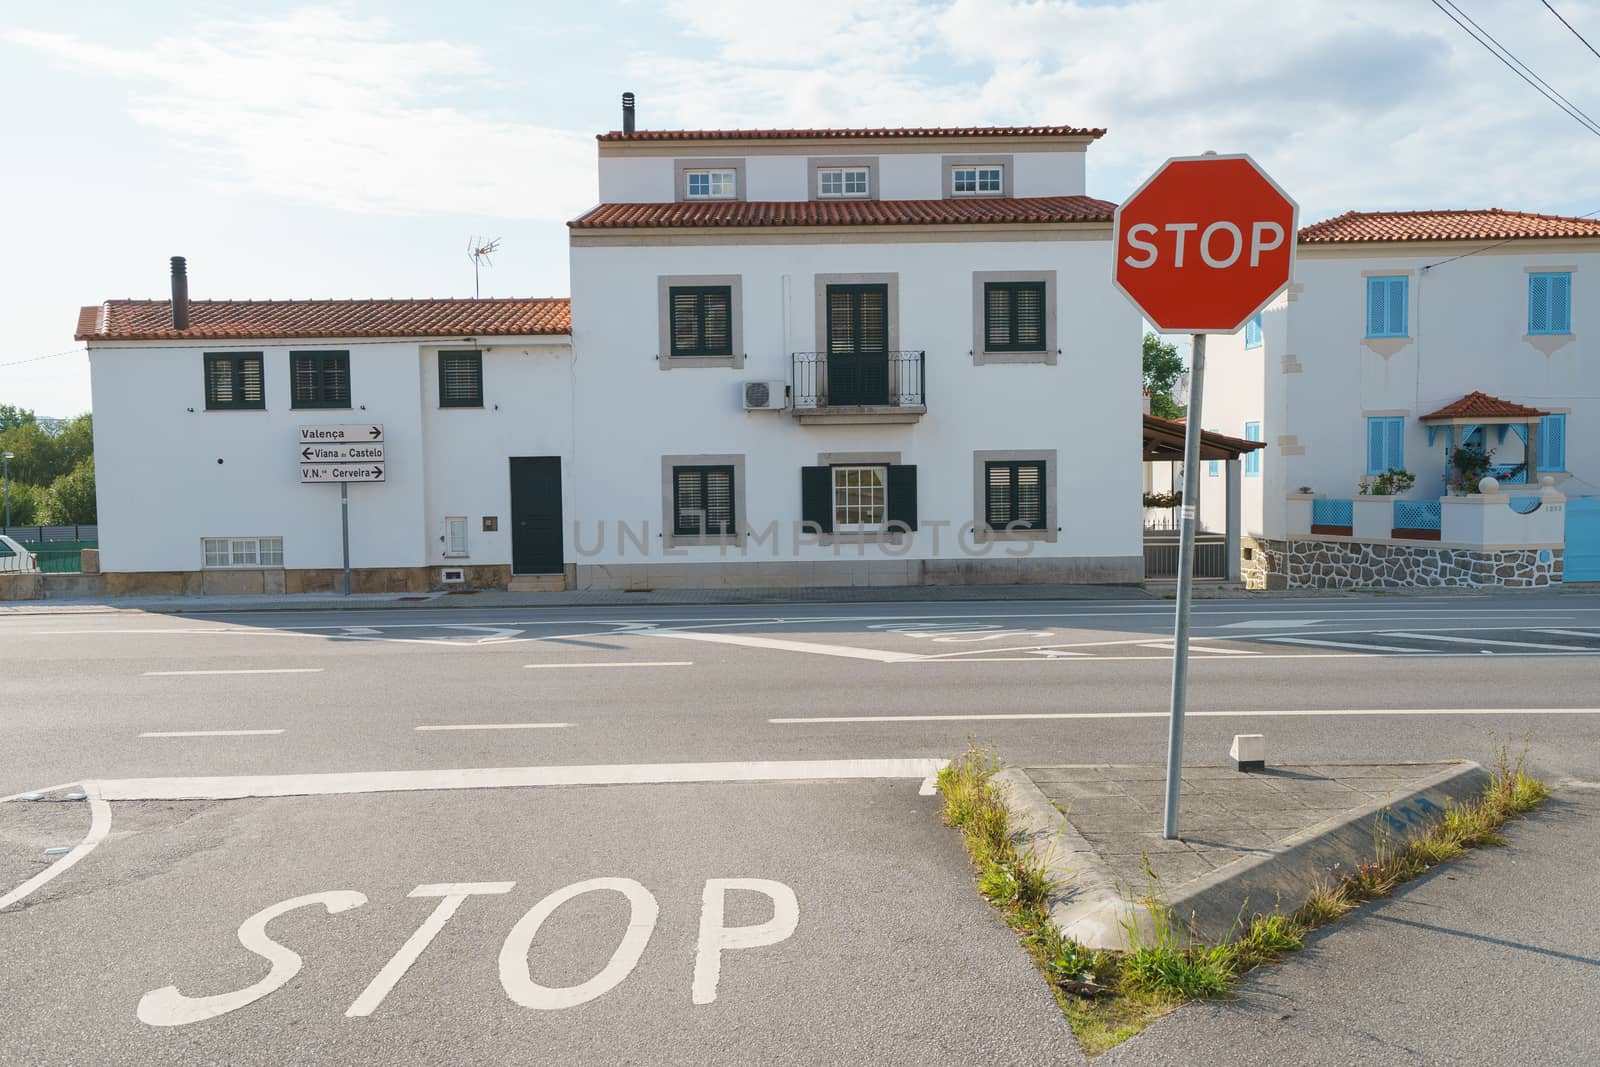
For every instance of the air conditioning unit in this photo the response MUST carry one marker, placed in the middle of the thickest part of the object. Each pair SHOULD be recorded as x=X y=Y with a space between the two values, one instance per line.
x=765 y=396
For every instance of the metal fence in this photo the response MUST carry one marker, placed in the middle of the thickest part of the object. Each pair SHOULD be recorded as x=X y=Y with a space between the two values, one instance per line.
x=48 y=534
x=1330 y=512
x=1417 y=515
x=1161 y=557
x=892 y=379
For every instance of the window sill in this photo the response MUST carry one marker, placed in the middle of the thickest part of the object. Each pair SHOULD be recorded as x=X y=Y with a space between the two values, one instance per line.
x=1385 y=346
x=1003 y=356
x=456 y=555
x=733 y=361
x=460 y=407
x=231 y=411
x=1549 y=343
x=678 y=541
x=321 y=407
x=981 y=536
x=865 y=415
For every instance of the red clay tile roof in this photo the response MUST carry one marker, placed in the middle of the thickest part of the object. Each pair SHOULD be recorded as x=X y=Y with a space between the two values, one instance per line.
x=1490 y=224
x=885 y=133
x=977 y=210
x=1483 y=406
x=151 y=320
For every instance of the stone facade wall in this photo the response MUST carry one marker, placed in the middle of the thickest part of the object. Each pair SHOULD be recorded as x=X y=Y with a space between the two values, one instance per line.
x=1317 y=564
x=1263 y=564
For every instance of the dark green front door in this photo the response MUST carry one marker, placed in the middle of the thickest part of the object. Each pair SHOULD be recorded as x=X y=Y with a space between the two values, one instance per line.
x=858 y=345
x=536 y=515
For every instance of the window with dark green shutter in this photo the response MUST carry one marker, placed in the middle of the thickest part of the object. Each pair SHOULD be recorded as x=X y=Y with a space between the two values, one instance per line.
x=235 y=382
x=702 y=320
x=702 y=502
x=319 y=379
x=1014 y=495
x=461 y=379
x=1014 y=316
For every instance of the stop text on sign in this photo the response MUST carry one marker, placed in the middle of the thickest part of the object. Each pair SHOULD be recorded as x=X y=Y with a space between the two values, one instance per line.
x=168 y=1006
x=1204 y=244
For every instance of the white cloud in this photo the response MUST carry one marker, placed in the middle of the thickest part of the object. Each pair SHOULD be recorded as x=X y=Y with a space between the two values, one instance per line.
x=1364 y=104
x=321 y=108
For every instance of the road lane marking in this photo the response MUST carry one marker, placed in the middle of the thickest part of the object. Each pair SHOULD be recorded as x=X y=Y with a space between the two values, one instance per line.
x=590 y=666
x=1475 y=641
x=454 y=894
x=99 y=827
x=1166 y=646
x=328 y=784
x=779 y=645
x=210 y=733
x=1339 y=644
x=496 y=726
x=1299 y=713
x=253 y=670
x=1590 y=634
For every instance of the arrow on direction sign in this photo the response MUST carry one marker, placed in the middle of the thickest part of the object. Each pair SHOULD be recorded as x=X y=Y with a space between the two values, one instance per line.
x=306 y=455
x=376 y=432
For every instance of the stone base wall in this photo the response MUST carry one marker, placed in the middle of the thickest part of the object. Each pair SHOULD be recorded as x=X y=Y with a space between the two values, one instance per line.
x=1315 y=564
x=272 y=581
x=800 y=574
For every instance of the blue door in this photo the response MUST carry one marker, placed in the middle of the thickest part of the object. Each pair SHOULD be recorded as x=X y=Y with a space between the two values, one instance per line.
x=1582 y=558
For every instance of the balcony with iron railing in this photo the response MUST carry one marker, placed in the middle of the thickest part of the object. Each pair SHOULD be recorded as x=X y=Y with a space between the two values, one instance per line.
x=861 y=387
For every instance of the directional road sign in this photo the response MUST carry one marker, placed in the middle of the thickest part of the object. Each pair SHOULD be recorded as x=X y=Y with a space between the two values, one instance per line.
x=332 y=473
x=365 y=432
x=367 y=454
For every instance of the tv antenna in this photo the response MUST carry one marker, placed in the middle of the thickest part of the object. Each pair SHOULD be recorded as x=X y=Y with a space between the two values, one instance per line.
x=479 y=250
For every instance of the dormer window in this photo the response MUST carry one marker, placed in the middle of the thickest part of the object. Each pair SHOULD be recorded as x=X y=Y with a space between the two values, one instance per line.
x=843 y=182
x=711 y=184
x=977 y=180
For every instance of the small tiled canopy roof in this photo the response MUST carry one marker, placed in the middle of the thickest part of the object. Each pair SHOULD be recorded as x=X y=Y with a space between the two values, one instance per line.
x=1481 y=407
x=731 y=213
x=1354 y=227
x=876 y=133
x=1163 y=440
x=151 y=320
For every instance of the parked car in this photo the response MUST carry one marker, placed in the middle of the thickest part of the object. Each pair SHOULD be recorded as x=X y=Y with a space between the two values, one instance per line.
x=14 y=558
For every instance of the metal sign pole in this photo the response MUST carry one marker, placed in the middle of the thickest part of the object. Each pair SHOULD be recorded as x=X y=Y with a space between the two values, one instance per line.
x=344 y=519
x=1180 y=634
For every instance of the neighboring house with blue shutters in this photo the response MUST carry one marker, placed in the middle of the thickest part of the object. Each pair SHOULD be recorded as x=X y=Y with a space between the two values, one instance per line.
x=1393 y=318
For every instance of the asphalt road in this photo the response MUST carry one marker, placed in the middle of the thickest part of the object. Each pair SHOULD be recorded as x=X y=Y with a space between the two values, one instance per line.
x=892 y=957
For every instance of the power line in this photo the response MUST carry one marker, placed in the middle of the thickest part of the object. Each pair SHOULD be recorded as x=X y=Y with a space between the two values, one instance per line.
x=1569 y=26
x=1516 y=66
x=49 y=355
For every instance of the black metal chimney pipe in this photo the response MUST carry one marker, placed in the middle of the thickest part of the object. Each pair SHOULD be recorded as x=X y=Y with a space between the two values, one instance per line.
x=627 y=112
x=180 y=294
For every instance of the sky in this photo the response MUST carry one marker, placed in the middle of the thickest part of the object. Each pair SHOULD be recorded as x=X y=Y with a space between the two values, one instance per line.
x=354 y=148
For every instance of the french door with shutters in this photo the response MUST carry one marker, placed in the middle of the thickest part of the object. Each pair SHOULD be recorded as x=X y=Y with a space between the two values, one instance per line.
x=858 y=345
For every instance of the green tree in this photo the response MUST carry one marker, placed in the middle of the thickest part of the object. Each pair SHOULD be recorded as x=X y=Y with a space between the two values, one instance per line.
x=12 y=417
x=24 y=504
x=1162 y=368
x=74 y=443
x=70 y=500
x=37 y=452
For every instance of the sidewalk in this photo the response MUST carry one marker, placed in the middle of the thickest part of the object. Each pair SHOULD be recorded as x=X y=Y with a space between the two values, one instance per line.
x=490 y=599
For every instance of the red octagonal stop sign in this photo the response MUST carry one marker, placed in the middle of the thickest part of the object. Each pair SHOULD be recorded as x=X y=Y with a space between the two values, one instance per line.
x=1205 y=243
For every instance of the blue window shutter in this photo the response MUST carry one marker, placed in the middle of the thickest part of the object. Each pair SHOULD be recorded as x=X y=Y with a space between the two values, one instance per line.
x=1398 y=300
x=1375 y=446
x=1538 y=303
x=1394 y=450
x=1252 y=459
x=1553 y=443
x=1211 y=470
x=1252 y=332
x=1560 y=303
x=1377 y=290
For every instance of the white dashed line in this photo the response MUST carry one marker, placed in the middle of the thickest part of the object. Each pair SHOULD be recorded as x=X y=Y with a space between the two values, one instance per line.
x=591 y=666
x=258 y=670
x=1302 y=713
x=497 y=726
x=210 y=733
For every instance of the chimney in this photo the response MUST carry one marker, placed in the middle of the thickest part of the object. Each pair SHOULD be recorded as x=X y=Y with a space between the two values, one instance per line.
x=180 y=294
x=627 y=112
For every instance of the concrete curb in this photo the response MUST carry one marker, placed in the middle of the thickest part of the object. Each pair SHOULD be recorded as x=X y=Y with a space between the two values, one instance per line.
x=1093 y=909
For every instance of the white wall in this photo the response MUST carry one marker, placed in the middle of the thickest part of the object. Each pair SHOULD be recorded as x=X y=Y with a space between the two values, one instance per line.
x=1467 y=324
x=1087 y=407
x=1234 y=395
x=161 y=488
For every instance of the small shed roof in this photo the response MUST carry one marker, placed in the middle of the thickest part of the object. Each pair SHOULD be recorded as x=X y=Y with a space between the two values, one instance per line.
x=1163 y=441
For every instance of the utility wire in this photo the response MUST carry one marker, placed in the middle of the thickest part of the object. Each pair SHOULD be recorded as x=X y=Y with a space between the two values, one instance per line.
x=1496 y=244
x=48 y=355
x=1513 y=64
x=1569 y=26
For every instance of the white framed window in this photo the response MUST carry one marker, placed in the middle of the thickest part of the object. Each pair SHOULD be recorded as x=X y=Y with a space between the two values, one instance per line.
x=977 y=180
x=843 y=181
x=860 y=499
x=711 y=184
x=243 y=551
x=455 y=535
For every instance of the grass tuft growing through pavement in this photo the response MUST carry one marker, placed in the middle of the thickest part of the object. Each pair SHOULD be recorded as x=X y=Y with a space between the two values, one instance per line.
x=1109 y=997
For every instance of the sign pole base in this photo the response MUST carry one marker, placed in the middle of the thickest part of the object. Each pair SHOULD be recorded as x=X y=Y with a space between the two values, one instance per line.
x=1180 y=634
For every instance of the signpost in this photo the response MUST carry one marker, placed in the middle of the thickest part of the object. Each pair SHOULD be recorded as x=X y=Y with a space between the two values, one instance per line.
x=342 y=454
x=1201 y=247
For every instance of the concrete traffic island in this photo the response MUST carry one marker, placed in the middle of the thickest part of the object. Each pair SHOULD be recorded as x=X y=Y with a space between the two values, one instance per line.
x=1252 y=842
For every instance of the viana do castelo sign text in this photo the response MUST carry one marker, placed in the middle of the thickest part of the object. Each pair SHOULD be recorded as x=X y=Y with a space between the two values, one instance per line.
x=330 y=454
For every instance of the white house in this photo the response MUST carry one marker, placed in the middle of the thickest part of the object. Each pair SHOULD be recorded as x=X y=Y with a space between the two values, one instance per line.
x=793 y=357
x=1405 y=336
